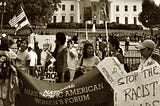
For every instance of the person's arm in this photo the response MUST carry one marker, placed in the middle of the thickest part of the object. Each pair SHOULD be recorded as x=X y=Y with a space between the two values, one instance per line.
x=65 y=65
x=120 y=58
x=28 y=59
x=97 y=60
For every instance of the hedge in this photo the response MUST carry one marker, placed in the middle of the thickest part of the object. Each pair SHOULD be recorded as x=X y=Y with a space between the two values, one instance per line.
x=98 y=26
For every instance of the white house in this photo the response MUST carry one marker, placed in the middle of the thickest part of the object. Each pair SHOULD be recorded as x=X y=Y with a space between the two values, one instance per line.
x=67 y=12
x=120 y=11
x=125 y=11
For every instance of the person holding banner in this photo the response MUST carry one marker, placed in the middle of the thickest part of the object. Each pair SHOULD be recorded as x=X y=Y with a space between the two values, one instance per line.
x=116 y=51
x=60 y=54
x=23 y=58
x=146 y=49
x=88 y=58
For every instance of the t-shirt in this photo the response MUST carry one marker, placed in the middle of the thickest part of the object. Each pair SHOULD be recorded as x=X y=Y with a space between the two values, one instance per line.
x=72 y=59
x=33 y=57
x=88 y=63
x=24 y=57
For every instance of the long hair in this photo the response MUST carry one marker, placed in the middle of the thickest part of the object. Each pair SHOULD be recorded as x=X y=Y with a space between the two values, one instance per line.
x=115 y=41
x=61 y=37
x=86 y=45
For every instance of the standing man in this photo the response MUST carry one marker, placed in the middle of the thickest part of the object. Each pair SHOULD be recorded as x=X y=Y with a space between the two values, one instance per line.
x=61 y=53
x=146 y=49
x=72 y=59
x=33 y=61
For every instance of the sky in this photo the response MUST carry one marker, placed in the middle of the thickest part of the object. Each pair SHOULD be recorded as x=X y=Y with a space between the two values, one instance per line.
x=157 y=2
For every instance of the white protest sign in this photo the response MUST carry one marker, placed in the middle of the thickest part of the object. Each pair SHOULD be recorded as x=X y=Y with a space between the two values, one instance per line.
x=43 y=39
x=111 y=69
x=139 y=88
x=49 y=73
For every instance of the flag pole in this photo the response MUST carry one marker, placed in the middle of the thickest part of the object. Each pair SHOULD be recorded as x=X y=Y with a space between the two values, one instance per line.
x=86 y=30
x=106 y=28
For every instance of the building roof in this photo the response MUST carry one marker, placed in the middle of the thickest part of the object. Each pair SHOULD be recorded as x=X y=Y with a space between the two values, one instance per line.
x=126 y=0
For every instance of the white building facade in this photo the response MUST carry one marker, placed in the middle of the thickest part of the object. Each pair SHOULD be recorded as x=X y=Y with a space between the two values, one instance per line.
x=67 y=12
x=120 y=11
x=125 y=11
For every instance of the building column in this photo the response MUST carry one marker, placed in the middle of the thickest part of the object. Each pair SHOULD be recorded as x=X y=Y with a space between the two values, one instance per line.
x=78 y=11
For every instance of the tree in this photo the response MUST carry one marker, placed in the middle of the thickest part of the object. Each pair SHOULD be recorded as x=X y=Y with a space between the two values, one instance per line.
x=150 y=15
x=39 y=12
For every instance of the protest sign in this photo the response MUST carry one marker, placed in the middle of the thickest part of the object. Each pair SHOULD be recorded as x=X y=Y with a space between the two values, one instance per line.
x=111 y=69
x=88 y=90
x=48 y=73
x=139 y=88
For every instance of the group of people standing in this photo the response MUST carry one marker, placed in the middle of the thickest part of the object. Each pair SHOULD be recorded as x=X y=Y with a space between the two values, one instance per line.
x=66 y=60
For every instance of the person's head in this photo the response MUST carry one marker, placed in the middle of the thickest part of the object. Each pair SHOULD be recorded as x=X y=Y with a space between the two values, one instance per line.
x=24 y=44
x=114 y=44
x=88 y=50
x=4 y=44
x=46 y=46
x=60 y=38
x=146 y=48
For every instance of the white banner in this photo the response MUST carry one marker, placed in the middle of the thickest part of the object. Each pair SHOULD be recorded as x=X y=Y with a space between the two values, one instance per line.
x=139 y=88
x=111 y=69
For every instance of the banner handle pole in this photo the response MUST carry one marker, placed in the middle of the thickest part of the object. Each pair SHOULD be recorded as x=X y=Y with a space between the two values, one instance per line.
x=86 y=30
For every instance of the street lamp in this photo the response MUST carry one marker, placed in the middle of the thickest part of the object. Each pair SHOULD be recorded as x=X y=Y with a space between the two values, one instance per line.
x=2 y=4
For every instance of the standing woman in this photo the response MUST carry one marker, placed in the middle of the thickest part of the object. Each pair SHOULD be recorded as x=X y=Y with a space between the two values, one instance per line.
x=23 y=58
x=88 y=58
x=60 y=54
x=116 y=51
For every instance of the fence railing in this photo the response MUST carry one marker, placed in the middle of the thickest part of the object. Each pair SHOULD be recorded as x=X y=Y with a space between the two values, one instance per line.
x=132 y=59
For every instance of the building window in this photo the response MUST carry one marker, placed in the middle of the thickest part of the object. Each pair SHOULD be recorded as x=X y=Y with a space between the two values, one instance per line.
x=54 y=19
x=72 y=7
x=117 y=8
x=63 y=7
x=63 y=18
x=87 y=13
x=134 y=8
x=71 y=18
x=135 y=20
x=117 y=20
x=125 y=8
x=126 y=20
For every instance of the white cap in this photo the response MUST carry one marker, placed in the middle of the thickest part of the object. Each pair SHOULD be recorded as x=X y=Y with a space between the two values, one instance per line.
x=146 y=44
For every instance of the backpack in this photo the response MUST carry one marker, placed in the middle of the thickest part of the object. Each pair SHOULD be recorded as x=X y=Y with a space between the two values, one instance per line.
x=4 y=67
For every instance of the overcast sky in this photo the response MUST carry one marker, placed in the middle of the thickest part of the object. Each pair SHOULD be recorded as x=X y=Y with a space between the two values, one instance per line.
x=157 y=2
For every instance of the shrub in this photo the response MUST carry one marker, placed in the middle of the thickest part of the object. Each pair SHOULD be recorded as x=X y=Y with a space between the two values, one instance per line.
x=112 y=25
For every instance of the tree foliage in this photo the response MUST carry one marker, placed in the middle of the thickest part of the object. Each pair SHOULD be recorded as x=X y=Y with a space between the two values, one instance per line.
x=150 y=15
x=38 y=12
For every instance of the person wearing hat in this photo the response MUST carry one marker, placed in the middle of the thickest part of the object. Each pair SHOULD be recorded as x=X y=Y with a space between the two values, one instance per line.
x=146 y=49
x=33 y=59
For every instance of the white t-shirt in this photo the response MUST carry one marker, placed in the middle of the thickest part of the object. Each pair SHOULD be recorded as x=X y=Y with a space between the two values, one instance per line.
x=72 y=58
x=88 y=63
x=33 y=58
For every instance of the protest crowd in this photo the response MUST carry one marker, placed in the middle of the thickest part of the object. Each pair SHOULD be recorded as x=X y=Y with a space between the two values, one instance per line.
x=65 y=64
